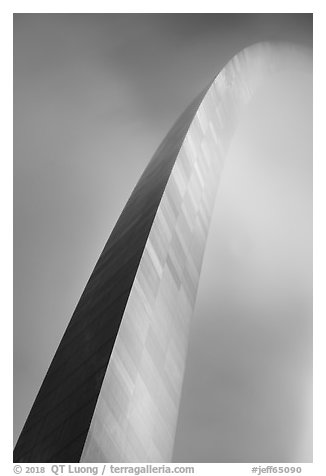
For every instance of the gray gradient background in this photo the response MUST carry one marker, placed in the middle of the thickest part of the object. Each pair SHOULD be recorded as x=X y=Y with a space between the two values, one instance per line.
x=93 y=97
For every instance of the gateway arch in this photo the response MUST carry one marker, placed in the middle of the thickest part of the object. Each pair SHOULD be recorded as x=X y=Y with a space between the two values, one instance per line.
x=112 y=391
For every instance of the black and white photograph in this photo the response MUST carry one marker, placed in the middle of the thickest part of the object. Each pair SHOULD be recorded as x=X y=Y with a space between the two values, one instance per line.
x=162 y=233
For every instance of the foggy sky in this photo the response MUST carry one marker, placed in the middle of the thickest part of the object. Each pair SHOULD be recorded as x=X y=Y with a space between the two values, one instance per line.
x=93 y=97
x=247 y=389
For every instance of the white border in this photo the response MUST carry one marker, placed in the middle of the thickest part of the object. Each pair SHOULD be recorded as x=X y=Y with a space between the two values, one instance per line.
x=284 y=6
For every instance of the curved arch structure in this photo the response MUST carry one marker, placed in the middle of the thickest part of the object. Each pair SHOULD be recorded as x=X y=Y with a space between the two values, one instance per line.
x=113 y=388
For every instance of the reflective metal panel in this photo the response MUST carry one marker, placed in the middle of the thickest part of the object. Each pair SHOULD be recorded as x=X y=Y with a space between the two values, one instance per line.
x=113 y=388
x=136 y=413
